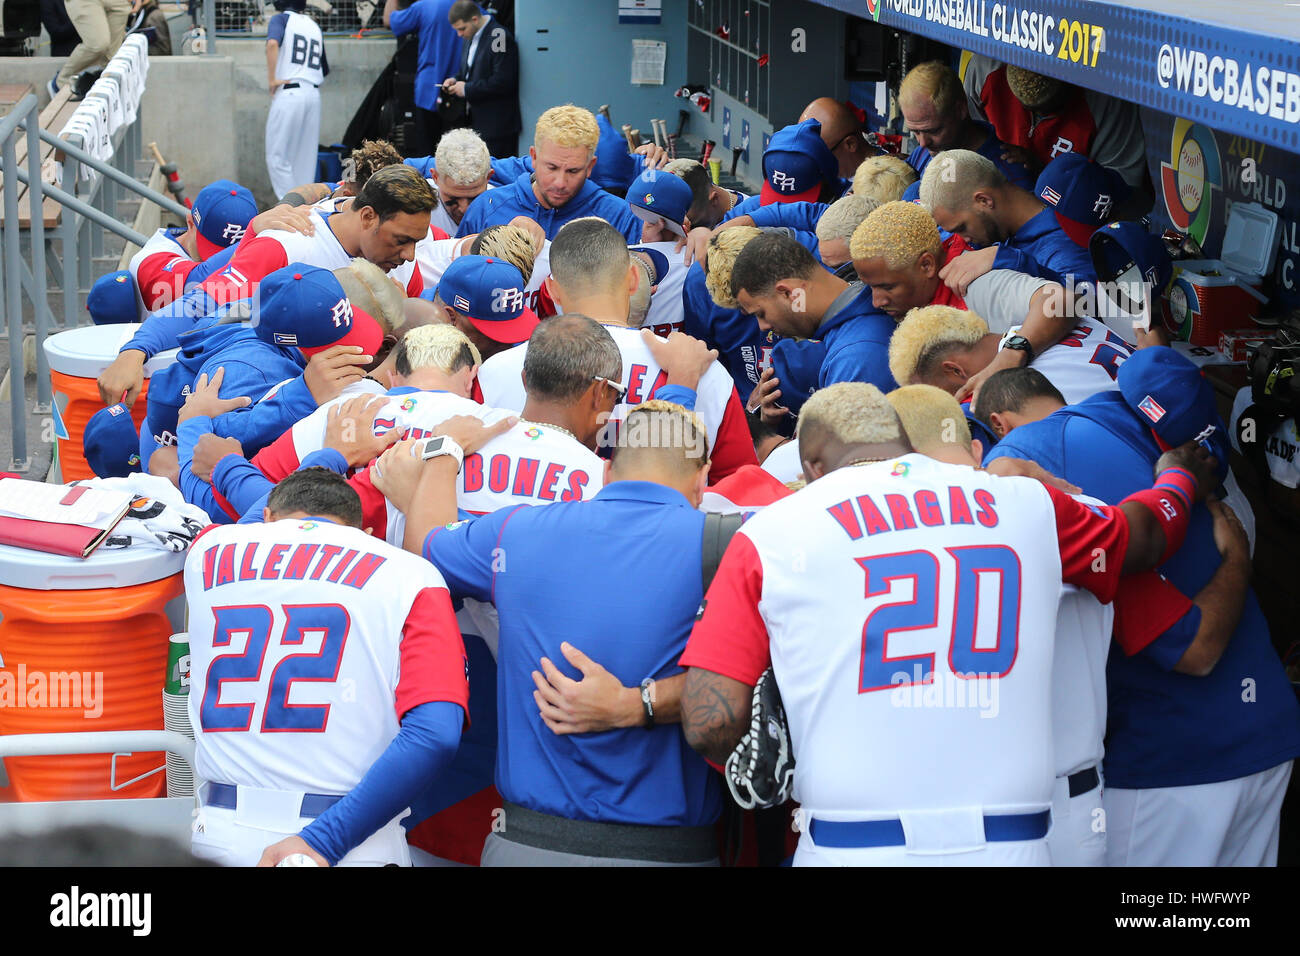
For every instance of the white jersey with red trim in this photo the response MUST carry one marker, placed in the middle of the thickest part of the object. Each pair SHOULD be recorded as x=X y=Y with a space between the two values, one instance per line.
x=1083 y=363
x=309 y=640
x=940 y=668
x=1083 y=634
x=666 y=310
x=274 y=249
x=435 y=256
x=440 y=217
x=500 y=379
x=159 y=270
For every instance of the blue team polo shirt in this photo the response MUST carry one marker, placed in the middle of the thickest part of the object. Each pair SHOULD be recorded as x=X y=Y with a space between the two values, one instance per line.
x=1166 y=729
x=439 y=55
x=633 y=617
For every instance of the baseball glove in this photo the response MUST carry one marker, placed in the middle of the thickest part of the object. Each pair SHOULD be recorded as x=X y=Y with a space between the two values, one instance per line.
x=760 y=771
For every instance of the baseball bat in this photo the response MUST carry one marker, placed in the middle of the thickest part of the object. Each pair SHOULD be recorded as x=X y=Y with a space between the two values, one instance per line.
x=682 y=117
x=636 y=138
x=735 y=158
x=672 y=146
x=708 y=151
x=654 y=125
x=604 y=111
x=170 y=170
x=663 y=128
x=627 y=132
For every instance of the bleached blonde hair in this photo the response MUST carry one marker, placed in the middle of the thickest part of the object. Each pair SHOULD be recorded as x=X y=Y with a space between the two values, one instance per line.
x=462 y=157
x=925 y=334
x=369 y=290
x=674 y=435
x=844 y=216
x=441 y=346
x=931 y=417
x=883 y=178
x=856 y=413
x=568 y=126
x=936 y=82
x=898 y=232
x=954 y=175
x=723 y=250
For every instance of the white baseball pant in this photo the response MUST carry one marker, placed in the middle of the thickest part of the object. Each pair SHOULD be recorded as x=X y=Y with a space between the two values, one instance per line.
x=1230 y=823
x=1078 y=834
x=293 y=137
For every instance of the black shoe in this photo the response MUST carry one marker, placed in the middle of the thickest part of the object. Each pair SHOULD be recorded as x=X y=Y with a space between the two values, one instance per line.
x=82 y=83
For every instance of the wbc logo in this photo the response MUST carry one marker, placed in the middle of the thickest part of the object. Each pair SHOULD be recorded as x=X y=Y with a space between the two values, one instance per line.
x=341 y=313
x=782 y=182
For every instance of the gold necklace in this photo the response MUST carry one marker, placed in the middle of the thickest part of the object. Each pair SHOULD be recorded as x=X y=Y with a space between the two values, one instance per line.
x=863 y=461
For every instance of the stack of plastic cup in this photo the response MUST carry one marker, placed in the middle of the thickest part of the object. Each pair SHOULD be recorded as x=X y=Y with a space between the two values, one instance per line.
x=176 y=713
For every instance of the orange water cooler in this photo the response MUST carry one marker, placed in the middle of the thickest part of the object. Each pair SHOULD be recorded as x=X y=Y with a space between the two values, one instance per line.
x=84 y=648
x=77 y=357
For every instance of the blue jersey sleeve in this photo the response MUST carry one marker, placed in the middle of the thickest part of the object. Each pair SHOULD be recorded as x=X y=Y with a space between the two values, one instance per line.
x=162 y=329
x=275 y=29
x=257 y=425
x=466 y=552
x=210 y=266
x=1168 y=649
x=402 y=22
x=793 y=215
x=425 y=165
x=507 y=169
x=244 y=483
x=424 y=746
x=197 y=491
x=678 y=395
x=745 y=207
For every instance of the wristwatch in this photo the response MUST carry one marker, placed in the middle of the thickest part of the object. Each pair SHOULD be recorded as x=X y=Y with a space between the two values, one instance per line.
x=1020 y=344
x=442 y=445
x=648 y=702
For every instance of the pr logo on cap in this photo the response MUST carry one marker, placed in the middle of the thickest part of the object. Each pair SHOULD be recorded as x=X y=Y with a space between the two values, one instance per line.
x=233 y=231
x=342 y=313
x=782 y=182
x=1151 y=409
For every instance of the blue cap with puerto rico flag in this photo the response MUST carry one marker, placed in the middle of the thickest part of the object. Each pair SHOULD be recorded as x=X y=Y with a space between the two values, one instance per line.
x=305 y=307
x=489 y=293
x=221 y=212
x=1081 y=193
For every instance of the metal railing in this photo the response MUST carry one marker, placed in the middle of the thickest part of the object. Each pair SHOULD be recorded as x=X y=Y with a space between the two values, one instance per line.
x=88 y=209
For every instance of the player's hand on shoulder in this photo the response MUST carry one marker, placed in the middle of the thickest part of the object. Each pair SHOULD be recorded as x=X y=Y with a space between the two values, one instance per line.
x=329 y=372
x=205 y=399
x=1193 y=457
x=471 y=433
x=597 y=702
x=276 y=853
x=966 y=268
x=697 y=246
x=209 y=450
x=1229 y=534
x=1019 y=467
x=682 y=356
x=397 y=473
x=350 y=429
x=285 y=218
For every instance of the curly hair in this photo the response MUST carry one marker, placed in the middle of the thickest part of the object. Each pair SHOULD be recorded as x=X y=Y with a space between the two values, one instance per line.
x=368 y=158
x=898 y=232
x=928 y=335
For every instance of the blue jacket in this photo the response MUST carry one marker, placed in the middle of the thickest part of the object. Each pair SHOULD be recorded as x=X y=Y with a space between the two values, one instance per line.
x=1040 y=248
x=793 y=215
x=499 y=206
x=743 y=348
x=1166 y=729
x=1017 y=173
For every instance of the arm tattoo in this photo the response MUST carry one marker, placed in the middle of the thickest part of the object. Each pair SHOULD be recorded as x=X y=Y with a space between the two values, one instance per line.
x=715 y=713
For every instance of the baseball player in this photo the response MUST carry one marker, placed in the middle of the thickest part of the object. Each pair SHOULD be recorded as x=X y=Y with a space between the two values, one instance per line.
x=943 y=346
x=939 y=548
x=296 y=66
x=222 y=211
x=329 y=682
x=657 y=302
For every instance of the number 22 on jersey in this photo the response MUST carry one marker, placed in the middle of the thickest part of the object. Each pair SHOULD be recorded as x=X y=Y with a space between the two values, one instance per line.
x=249 y=627
x=986 y=604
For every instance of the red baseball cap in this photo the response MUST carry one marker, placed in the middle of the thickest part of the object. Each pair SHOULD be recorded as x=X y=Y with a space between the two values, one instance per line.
x=365 y=332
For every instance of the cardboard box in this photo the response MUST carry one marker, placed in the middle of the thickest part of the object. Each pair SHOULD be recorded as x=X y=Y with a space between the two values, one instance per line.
x=1234 y=343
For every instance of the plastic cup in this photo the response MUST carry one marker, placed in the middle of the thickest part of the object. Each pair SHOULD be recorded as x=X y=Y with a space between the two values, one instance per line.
x=715 y=171
x=178 y=665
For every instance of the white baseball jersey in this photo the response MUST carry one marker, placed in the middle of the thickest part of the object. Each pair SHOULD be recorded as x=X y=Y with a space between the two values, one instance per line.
x=908 y=609
x=159 y=270
x=1083 y=363
x=500 y=379
x=309 y=640
x=302 y=49
x=1083 y=632
x=274 y=249
x=434 y=256
x=666 y=310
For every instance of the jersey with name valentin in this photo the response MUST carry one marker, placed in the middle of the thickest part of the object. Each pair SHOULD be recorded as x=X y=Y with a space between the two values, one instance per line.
x=258 y=257
x=309 y=641
x=874 y=590
x=502 y=384
x=160 y=269
x=302 y=49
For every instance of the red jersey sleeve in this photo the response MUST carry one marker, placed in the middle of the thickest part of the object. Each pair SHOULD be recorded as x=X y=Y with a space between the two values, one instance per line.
x=433 y=664
x=1092 y=540
x=249 y=265
x=1146 y=605
x=415 y=284
x=729 y=637
x=161 y=278
x=733 y=448
x=279 y=458
x=374 y=506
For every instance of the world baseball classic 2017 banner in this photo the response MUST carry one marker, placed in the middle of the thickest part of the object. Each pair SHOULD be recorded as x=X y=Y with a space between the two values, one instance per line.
x=1232 y=75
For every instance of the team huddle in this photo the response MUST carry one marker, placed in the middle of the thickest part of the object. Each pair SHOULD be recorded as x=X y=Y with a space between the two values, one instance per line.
x=524 y=472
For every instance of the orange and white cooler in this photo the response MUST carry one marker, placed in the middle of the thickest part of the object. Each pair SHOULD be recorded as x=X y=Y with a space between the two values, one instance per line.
x=77 y=357
x=84 y=648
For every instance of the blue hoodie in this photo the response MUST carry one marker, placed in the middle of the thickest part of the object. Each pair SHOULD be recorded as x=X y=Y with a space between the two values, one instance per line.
x=498 y=206
x=1041 y=248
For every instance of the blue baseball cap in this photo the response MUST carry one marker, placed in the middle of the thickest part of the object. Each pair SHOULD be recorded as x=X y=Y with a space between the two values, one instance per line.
x=796 y=164
x=1081 y=194
x=112 y=299
x=1124 y=252
x=1169 y=394
x=305 y=307
x=489 y=294
x=111 y=443
x=221 y=211
x=614 y=167
x=656 y=195
x=656 y=260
